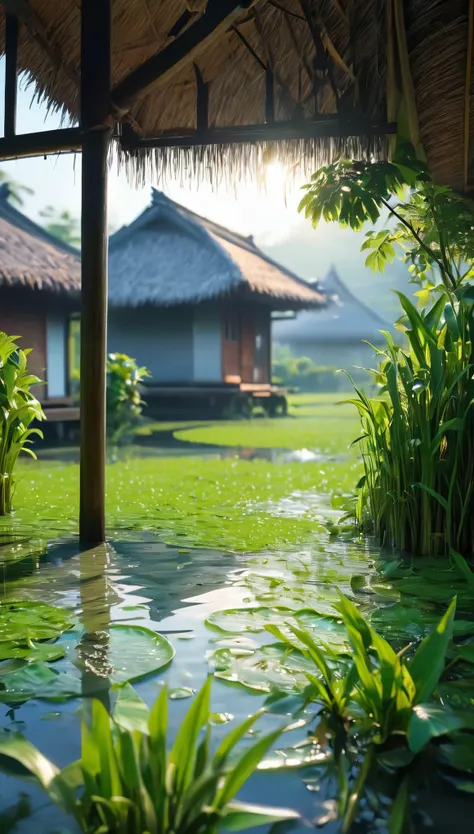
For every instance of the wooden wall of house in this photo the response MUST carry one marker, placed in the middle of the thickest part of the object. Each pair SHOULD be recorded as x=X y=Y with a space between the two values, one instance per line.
x=42 y=323
x=31 y=326
x=246 y=338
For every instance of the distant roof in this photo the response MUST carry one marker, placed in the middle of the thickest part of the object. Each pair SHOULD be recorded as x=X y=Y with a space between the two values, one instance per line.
x=169 y=255
x=346 y=319
x=32 y=257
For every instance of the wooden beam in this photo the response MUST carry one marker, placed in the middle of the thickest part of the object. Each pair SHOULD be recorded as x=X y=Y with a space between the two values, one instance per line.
x=249 y=47
x=39 y=33
x=40 y=144
x=219 y=16
x=326 y=127
x=269 y=97
x=95 y=101
x=202 y=100
x=11 y=61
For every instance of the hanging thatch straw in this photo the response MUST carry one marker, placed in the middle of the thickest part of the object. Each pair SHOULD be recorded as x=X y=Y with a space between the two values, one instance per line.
x=327 y=58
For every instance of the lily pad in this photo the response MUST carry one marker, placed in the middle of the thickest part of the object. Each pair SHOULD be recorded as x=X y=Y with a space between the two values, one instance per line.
x=125 y=653
x=266 y=670
x=25 y=621
x=122 y=654
x=38 y=680
x=408 y=622
x=239 y=620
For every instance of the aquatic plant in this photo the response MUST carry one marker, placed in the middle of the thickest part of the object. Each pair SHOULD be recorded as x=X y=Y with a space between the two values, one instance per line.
x=124 y=400
x=126 y=782
x=18 y=409
x=417 y=442
x=383 y=704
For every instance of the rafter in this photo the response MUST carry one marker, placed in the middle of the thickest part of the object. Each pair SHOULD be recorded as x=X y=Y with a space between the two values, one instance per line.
x=219 y=16
x=271 y=63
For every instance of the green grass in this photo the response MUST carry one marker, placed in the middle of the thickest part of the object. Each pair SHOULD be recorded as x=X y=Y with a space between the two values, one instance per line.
x=223 y=504
x=229 y=504
x=325 y=435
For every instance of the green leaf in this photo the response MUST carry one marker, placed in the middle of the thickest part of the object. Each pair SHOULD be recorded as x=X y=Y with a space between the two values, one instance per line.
x=427 y=664
x=244 y=768
x=239 y=816
x=463 y=567
x=459 y=753
x=130 y=712
x=14 y=746
x=430 y=721
x=37 y=680
x=399 y=810
x=182 y=755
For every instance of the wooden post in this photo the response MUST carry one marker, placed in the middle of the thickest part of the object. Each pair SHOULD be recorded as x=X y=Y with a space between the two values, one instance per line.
x=11 y=56
x=95 y=108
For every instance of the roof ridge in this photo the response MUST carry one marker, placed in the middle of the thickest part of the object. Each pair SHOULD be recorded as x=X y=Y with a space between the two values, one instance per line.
x=247 y=242
x=160 y=197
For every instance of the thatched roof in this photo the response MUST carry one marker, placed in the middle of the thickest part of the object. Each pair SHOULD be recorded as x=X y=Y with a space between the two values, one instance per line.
x=346 y=319
x=31 y=257
x=169 y=255
x=345 y=63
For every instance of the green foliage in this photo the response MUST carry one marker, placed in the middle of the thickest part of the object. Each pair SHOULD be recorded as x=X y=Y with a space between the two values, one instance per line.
x=301 y=372
x=16 y=190
x=62 y=224
x=417 y=443
x=18 y=409
x=23 y=622
x=126 y=781
x=382 y=705
x=124 y=400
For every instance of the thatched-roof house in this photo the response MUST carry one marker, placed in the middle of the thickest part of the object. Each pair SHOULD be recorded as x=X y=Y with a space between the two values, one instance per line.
x=192 y=300
x=40 y=281
x=207 y=88
x=335 y=336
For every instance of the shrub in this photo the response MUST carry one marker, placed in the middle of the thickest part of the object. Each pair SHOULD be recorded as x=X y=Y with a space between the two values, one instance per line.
x=18 y=408
x=124 y=401
x=129 y=783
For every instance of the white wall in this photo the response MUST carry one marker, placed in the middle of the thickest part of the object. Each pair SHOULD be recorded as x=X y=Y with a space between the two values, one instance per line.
x=160 y=339
x=56 y=355
x=207 y=344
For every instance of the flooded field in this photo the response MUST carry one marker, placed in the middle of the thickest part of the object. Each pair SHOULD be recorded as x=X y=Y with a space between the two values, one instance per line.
x=207 y=550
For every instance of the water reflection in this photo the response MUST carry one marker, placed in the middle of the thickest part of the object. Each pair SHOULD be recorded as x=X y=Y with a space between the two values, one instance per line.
x=96 y=599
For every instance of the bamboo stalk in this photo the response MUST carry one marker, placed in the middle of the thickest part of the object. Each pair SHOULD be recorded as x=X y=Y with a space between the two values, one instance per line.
x=467 y=92
x=407 y=79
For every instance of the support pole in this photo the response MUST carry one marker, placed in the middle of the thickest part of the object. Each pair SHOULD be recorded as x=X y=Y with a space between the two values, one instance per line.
x=11 y=58
x=95 y=91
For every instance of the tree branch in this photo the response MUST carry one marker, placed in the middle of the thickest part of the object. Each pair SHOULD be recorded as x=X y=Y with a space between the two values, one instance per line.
x=419 y=239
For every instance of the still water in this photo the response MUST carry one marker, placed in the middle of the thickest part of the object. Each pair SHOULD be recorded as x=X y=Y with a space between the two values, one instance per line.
x=137 y=579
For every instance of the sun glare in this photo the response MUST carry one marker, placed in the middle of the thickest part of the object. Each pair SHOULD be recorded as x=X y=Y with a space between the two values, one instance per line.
x=276 y=175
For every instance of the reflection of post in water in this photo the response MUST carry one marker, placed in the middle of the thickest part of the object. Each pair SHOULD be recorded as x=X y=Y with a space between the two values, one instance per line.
x=96 y=600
